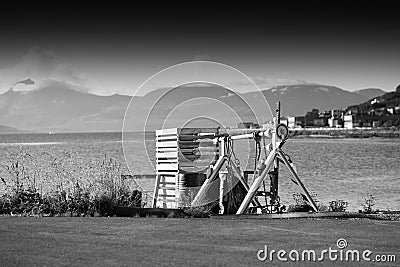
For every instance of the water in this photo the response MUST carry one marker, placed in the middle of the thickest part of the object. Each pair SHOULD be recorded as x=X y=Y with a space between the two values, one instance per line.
x=346 y=169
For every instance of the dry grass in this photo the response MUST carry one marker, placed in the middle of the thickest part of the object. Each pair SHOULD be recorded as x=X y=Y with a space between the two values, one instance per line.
x=66 y=184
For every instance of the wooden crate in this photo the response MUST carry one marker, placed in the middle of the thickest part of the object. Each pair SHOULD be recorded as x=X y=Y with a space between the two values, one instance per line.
x=180 y=150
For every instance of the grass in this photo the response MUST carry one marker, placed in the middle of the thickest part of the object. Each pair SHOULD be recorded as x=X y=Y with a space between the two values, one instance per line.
x=64 y=185
x=182 y=242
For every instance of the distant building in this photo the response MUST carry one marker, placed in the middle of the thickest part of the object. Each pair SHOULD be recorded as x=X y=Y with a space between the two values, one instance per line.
x=334 y=123
x=348 y=121
x=320 y=122
x=300 y=121
x=374 y=101
x=291 y=122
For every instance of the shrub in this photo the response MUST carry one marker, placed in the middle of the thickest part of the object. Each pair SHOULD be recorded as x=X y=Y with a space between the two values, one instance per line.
x=369 y=203
x=76 y=189
x=200 y=211
x=302 y=205
x=338 y=205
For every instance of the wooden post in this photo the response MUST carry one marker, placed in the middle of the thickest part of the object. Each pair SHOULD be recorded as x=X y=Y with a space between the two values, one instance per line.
x=274 y=175
x=222 y=180
x=164 y=193
x=155 y=195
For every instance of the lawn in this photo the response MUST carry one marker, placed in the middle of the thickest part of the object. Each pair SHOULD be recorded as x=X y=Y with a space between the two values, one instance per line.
x=157 y=241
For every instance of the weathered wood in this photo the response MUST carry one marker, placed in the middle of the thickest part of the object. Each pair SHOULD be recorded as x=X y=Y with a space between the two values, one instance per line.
x=165 y=138
x=165 y=195
x=168 y=179
x=167 y=200
x=164 y=166
x=167 y=131
x=181 y=150
x=167 y=183
x=166 y=191
x=167 y=161
x=155 y=191
x=167 y=144
x=172 y=154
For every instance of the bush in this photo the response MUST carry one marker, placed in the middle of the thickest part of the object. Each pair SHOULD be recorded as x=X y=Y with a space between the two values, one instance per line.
x=369 y=203
x=338 y=205
x=78 y=188
x=200 y=211
x=302 y=205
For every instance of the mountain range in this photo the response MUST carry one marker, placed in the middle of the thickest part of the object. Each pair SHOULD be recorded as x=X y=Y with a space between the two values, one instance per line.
x=60 y=107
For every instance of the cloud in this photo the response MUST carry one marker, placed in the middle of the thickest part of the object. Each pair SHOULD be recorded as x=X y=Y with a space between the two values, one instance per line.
x=263 y=82
x=39 y=65
x=270 y=82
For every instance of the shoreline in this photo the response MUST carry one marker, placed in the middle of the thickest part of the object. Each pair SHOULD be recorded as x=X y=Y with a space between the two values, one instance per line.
x=392 y=133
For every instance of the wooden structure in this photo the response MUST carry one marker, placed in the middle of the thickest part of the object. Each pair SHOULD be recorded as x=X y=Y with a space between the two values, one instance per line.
x=209 y=152
x=179 y=152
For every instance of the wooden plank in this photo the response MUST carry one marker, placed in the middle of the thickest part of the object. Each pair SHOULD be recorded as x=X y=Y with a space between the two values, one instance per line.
x=167 y=167
x=166 y=149
x=168 y=179
x=164 y=186
x=163 y=196
x=167 y=200
x=167 y=144
x=155 y=192
x=168 y=173
x=167 y=183
x=166 y=137
x=172 y=154
x=167 y=131
x=167 y=161
x=162 y=178
x=166 y=191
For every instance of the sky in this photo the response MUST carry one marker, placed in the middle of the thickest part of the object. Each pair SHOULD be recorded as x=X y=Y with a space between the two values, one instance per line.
x=108 y=48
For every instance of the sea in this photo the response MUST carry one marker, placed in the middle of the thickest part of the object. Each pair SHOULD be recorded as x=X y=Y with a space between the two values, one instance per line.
x=351 y=170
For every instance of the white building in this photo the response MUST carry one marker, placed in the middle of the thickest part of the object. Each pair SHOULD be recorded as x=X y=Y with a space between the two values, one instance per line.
x=348 y=121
